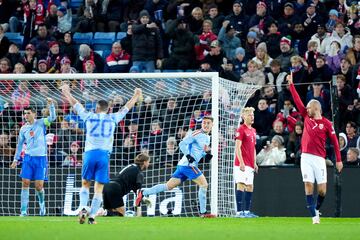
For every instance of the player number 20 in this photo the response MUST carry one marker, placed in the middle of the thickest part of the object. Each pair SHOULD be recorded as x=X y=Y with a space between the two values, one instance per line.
x=101 y=128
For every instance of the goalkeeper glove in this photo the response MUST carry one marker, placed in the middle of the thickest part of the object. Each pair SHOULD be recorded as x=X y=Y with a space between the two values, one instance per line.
x=190 y=158
x=208 y=157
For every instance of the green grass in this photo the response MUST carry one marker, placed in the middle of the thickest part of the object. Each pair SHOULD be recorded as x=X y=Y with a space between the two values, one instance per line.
x=53 y=228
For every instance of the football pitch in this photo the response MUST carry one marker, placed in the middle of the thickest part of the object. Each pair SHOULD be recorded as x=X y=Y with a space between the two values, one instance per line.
x=146 y=228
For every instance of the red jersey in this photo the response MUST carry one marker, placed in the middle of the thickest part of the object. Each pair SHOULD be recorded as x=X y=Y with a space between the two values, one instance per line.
x=315 y=131
x=247 y=136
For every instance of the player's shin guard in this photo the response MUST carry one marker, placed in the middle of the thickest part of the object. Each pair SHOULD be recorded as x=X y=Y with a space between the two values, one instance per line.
x=24 y=200
x=310 y=204
x=155 y=189
x=320 y=200
x=84 y=197
x=248 y=196
x=95 y=204
x=239 y=200
x=202 y=199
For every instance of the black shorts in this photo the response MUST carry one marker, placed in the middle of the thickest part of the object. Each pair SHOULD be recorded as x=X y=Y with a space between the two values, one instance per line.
x=113 y=196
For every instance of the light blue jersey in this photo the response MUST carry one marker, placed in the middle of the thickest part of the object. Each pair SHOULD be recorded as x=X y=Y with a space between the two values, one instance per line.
x=34 y=135
x=195 y=145
x=100 y=127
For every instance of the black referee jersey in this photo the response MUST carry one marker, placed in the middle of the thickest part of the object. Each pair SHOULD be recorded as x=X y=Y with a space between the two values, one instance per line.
x=129 y=178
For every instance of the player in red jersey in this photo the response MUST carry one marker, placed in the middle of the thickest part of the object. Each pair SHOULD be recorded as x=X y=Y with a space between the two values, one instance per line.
x=245 y=164
x=313 y=167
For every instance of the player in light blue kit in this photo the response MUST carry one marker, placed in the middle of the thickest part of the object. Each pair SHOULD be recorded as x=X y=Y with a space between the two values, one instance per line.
x=35 y=164
x=194 y=147
x=100 y=127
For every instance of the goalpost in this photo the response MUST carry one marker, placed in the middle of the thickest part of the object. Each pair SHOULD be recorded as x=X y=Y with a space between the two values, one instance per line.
x=173 y=105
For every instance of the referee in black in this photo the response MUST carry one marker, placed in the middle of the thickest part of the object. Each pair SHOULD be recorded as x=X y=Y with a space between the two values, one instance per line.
x=129 y=178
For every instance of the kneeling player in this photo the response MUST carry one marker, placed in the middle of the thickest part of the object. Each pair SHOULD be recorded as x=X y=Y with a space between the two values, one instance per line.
x=129 y=178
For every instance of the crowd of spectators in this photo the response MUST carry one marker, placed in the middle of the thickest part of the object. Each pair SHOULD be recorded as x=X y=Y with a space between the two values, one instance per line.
x=246 y=41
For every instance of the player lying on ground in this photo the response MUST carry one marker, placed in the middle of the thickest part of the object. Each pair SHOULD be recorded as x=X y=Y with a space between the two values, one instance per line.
x=194 y=147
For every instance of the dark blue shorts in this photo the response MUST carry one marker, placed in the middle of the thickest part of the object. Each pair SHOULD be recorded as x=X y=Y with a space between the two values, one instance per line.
x=96 y=166
x=34 y=168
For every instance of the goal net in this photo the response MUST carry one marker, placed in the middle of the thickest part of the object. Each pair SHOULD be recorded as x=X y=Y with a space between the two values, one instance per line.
x=172 y=106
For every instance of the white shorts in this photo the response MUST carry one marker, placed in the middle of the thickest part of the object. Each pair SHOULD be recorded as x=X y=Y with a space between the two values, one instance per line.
x=246 y=177
x=313 y=168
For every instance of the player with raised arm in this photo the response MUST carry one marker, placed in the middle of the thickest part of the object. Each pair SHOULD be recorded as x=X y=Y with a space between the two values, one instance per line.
x=35 y=164
x=100 y=127
x=313 y=167
x=128 y=179
x=195 y=146
x=245 y=163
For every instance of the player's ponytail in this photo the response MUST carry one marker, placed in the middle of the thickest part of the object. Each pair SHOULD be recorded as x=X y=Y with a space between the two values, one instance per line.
x=141 y=158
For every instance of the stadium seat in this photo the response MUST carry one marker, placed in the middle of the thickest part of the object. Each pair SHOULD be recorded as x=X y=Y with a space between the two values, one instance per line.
x=120 y=35
x=103 y=40
x=83 y=38
x=75 y=4
x=15 y=38
x=106 y=53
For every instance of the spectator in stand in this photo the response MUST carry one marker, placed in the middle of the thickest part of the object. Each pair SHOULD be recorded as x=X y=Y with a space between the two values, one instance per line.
x=68 y=48
x=94 y=11
x=229 y=42
x=215 y=17
x=352 y=158
x=275 y=76
x=13 y=55
x=300 y=75
x=54 y=56
x=51 y=19
x=205 y=66
x=250 y=45
x=86 y=22
x=157 y=137
x=64 y=21
x=299 y=39
x=205 y=40
x=65 y=64
x=132 y=9
x=333 y=19
x=321 y=71
x=261 y=121
x=352 y=137
x=278 y=129
x=311 y=54
x=346 y=70
x=16 y=21
x=215 y=56
x=6 y=151
x=126 y=42
x=239 y=62
x=334 y=56
x=353 y=54
x=353 y=22
x=343 y=36
x=287 y=20
x=182 y=53
x=155 y=8
x=262 y=57
x=238 y=19
x=343 y=146
x=286 y=53
x=310 y=20
x=269 y=93
x=318 y=92
x=21 y=100
x=146 y=44
x=227 y=71
x=85 y=54
x=254 y=75
x=4 y=41
x=171 y=116
x=288 y=115
x=19 y=68
x=196 y=20
x=126 y=151
x=261 y=19
x=41 y=41
x=273 y=153
x=74 y=157
x=345 y=98
x=293 y=149
x=272 y=39
x=170 y=156
x=30 y=59
x=321 y=37
x=34 y=16
x=112 y=14
x=118 y=61
x=5 y=66
x=42 y=66
x=133 y=131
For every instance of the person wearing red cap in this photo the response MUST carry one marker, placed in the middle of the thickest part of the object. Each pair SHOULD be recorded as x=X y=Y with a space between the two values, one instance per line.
x=29 y=59
x=54 y=57
x=286 y=53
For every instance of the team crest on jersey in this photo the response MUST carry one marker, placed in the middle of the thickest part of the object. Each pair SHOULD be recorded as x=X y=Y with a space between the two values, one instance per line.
x=237 y=134
x=321 y=126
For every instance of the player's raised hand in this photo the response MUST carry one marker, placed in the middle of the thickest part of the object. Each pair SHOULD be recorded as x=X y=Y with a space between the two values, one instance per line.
x=289 y=78
x=339 y=166
x=13 y=164
x=49 y=101
x=138 y=92
x=65 y=88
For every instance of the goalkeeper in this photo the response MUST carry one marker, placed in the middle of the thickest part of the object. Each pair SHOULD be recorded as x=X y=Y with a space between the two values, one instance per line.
x=194 y=147
x=129 y=178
